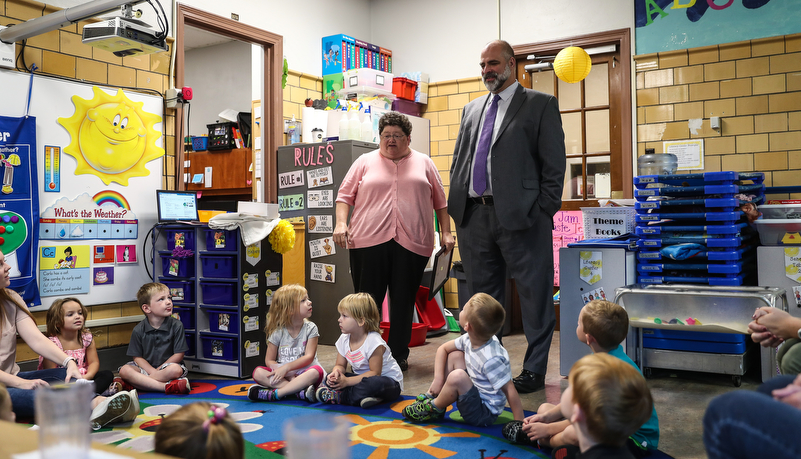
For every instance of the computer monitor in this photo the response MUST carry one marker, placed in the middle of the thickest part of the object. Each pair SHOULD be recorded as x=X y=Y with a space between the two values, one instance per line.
x=176 y=206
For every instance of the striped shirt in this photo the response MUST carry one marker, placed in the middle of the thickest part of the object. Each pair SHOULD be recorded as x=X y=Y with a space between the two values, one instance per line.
x=489 y=368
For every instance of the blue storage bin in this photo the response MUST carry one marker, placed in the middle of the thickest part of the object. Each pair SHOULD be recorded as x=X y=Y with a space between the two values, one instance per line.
x=185 y=315
x=218 y=239
x=219 y=347
x=186 y=236
x=178 y=267
x=181 y=291
x=190 y=341
x=219 y=266
x=223 y=320
x=220 y=293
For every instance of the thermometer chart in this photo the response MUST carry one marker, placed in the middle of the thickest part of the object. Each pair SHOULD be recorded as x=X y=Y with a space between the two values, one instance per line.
x=52 y=171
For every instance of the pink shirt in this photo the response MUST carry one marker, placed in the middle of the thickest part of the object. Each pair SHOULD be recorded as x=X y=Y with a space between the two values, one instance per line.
x=393 y=201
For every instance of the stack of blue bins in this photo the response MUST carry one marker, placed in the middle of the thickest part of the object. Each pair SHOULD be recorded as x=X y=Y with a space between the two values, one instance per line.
x=692 y=231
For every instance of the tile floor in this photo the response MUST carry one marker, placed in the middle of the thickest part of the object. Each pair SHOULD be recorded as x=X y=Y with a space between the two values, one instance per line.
x=680 y=397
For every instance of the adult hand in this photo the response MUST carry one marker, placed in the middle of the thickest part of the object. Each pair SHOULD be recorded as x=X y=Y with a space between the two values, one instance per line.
x=791 y=394
x=31 y=384
x=341 y=235
x=448 y=241
x=72 y=371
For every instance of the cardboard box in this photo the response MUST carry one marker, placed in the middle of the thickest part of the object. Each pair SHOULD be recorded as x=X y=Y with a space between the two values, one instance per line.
x=338 y=53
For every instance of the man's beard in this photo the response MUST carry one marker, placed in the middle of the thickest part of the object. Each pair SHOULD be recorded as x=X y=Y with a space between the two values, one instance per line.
x=499 y=79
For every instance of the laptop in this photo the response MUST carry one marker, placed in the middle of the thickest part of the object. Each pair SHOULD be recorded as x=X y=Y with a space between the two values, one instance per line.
x=177 y=206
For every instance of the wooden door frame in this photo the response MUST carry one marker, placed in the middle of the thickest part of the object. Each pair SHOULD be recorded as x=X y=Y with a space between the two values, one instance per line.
x=619 y=83
x=272 y=105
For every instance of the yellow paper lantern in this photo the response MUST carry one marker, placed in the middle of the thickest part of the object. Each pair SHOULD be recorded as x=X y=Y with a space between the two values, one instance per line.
x=572 y=64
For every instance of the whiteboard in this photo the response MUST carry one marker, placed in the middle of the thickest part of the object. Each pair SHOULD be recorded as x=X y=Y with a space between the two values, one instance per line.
x=52 y=99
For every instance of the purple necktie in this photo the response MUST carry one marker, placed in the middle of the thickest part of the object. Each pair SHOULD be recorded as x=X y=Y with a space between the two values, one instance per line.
x=482 y=150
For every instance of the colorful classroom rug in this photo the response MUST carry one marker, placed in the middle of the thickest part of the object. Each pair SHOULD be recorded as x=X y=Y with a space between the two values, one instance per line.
x=378 y=432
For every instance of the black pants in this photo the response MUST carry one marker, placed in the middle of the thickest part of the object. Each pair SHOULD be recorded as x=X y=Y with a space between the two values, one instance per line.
x=389 y=265
x=383 y=387
x=103 y=379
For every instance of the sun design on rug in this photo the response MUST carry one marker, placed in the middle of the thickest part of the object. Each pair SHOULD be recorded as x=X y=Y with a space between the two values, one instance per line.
x=397 y=434
x=140 y=436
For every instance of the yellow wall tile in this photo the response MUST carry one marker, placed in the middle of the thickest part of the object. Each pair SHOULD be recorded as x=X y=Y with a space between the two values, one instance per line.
x=309 y=81
x=719 y=71
x=23 y=10
x=703 y=55
x=457 y=101
x=160 y=63
x=658 y=78
x=32 y=56
x=776 y=122
x=100 y=337
x=640 y=115
x=737 y=125
x=688 y=111
x=49 y=40
x=793 y=81
x=684 y=75
x=437 y=104
x=640 y=81
x=767 y=46
x=59 y=64
x=646 y=62
x=753 y=67
x=141 y=62
x=792 y=43
x=794 y=159
x=784 y=102
x=432 y=117
x=770 y=161
x=121 y=76
x=751 y=105
x=740 y=163
x=448 y=88
x=120 y=334
x=673 y=59
x=786 y=178
x=89 y=70
x=470 y=85
x=297 y=94
x=149 y=80
x=658 y=113
x=704 y=91
x=291 y=109
x=287 y=92
x=785 y=63
x=719 y=146
x=105 y=311
x=439 y=133
x=434 y=148
x=293 y=78
x=71 y=44
x=450 y=117
x=752 y=143
x=785 y=140
x=476 y=95
x=735 y=88
x=672 y=94
x=712 y=164
x=24 y=352
x=769 y=84
x=731 y=51
x=794 y=121
x=647 y=97
x=443 y=163
x=447 y=147
x=720 y=107
x=650 y=132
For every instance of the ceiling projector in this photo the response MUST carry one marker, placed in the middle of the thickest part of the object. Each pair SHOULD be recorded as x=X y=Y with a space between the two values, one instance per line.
x=124 y=37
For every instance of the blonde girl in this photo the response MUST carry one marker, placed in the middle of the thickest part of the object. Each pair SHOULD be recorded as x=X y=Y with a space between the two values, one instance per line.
x=376 y=376
x=66 y=327
x=200 y=431
x=291 y=359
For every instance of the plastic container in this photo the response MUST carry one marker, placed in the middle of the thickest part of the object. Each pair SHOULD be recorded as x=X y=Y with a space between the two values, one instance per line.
x=368 y=77
x=657 y=164
x=178 y=267
x=219 y=293
x=190 y=341
x=218 y=239
x=223 y=320
x=185 y=315
x=367 y=129
x=200 y=143
x=181 y=291
x=407 y=107
x=343 y=125
x=219 y=347
x=779 y=231
x=418 y=333
x=404 y=88
x=218 y=266
x=182 y=237
x=354 y=126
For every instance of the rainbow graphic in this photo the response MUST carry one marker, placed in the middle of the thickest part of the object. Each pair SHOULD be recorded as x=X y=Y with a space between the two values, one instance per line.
x=108 y=196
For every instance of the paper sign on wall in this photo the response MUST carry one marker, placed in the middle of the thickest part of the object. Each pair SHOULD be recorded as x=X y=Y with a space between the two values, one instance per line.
x=323 y=272
x=290 y=179
x=320 y=177
x=597 y=294
x=321 y=247
x=291 y=202
x=251 y=301
x=272 y=278
x=590 y=266
x=792 y=263
x=321 y=224
x=321 y=199
x=568 y=227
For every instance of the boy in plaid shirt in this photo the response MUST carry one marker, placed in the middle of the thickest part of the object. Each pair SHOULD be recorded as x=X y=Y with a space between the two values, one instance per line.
x=472 y=370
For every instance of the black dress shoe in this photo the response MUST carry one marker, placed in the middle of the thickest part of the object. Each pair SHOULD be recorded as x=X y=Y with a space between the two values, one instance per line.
x=403 y=364
x=529 y=382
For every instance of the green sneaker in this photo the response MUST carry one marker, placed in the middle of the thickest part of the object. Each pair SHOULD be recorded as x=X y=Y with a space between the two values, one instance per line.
x=422 y=411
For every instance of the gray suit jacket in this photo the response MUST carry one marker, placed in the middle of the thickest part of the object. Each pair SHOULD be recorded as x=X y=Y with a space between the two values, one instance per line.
x=528 y=160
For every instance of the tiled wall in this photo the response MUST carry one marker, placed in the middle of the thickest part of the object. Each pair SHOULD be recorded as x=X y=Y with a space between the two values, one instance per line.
x=299 y=87
x=60 y=52
x=754 y=86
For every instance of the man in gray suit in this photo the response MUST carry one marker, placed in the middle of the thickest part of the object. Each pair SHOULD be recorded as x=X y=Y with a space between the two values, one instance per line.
x=506 y=184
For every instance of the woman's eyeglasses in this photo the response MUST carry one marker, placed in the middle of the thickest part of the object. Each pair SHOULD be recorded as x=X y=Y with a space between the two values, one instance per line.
x=394 y=136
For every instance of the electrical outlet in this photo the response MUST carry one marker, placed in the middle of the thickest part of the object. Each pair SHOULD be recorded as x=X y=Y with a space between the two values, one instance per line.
x=171 y=96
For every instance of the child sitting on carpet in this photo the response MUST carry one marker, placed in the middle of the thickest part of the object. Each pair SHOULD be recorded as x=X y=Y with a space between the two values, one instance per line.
x=376 y=376
x=200 y=431
x=291 y=359
x=157 y=346
x=66 y=327
x=6 y=410
x=602 y=325
x=606 y=402
x=472 y=370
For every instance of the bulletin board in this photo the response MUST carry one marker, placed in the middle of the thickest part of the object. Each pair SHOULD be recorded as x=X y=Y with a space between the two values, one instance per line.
x=568 y=227
x=96 y=202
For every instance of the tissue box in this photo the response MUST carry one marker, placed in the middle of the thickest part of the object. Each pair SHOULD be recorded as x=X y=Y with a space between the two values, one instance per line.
x=261 y=209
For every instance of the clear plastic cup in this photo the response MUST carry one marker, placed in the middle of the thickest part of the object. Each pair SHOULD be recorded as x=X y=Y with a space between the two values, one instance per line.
x=62 y=413
x=317 y=436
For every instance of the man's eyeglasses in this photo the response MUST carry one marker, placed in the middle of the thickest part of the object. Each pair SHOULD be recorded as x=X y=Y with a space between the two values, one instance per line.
x=394 y=136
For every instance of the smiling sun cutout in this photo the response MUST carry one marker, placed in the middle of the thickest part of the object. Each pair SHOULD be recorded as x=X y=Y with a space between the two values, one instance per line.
x=111 y=137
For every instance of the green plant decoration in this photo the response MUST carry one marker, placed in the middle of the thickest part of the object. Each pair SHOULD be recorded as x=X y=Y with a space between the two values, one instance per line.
x=286 y=72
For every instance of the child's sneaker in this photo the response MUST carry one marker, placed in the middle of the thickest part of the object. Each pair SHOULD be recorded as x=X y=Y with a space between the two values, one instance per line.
x=425 y=396
x=261 y=393
x=513 y=431
x=117 y=408
x=326 y=395
x=422 y=411
x=307 y=394
x=367 y=402
x=177 y=387
x=120 y=385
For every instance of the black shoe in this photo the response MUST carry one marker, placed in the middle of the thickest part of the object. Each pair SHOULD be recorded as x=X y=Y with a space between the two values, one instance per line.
x=529 y=382
x=513 y=431
x=403 y=364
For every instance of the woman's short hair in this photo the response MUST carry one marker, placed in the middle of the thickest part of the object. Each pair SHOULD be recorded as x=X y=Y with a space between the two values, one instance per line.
x=395 y=119
x=361 y=307
x=55 y=316
x=186 y=434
